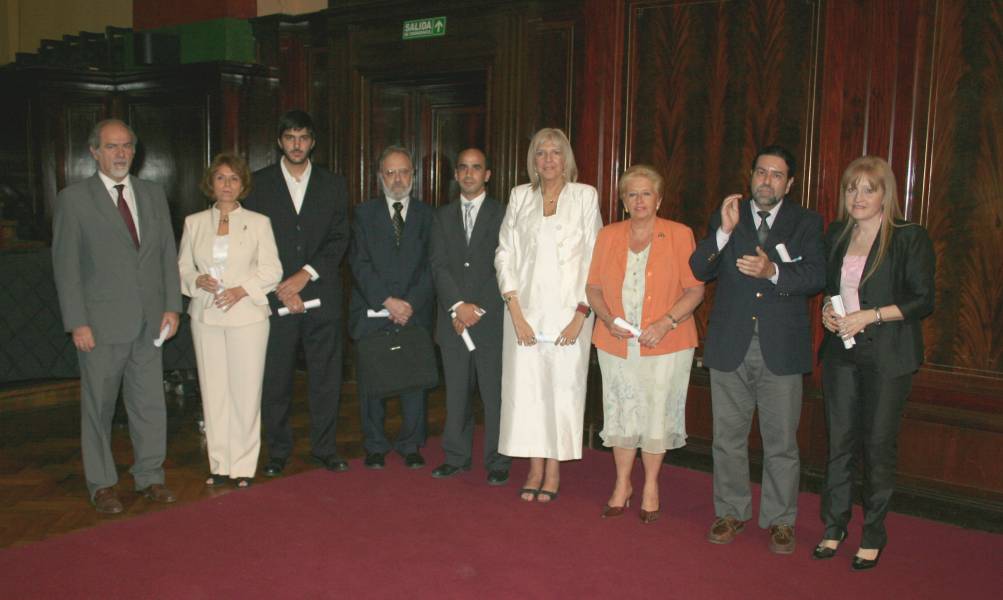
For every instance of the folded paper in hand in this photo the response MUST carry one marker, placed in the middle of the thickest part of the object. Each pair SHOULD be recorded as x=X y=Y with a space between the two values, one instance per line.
x=283 y=311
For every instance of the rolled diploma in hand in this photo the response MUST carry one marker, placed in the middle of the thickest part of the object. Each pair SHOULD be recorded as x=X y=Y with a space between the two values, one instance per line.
x=619 y=322
x=543 y=338
x=466 y=335
x=783 y=253
x=840 y=309
x=377 y=314
x=283 y=311
x=163 y=336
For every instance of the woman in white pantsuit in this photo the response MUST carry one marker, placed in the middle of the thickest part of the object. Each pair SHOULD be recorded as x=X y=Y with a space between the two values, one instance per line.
x=228 y=263
x=542 y=260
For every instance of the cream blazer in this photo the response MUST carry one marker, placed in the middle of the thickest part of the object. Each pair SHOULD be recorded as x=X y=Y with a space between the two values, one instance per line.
x=578 y=223
x=252 y=263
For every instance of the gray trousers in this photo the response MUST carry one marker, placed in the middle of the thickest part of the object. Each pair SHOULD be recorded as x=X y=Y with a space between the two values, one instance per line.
x=137 y=368
x=735 y=396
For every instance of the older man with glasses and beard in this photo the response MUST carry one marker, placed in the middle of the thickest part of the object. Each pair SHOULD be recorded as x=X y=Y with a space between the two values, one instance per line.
x=390 y=270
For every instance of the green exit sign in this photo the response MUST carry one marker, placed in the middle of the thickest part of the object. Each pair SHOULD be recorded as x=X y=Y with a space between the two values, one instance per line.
x=418 y=29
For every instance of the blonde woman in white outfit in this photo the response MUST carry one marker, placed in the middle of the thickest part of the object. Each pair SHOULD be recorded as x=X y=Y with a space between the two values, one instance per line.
x=544 y=250
x=228 y=262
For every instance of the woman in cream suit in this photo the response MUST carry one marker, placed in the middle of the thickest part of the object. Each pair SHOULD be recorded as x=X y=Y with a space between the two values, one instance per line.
x=542 y=260
x=228 y=263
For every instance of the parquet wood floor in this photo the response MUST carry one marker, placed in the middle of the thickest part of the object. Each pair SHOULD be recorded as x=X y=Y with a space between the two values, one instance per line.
x=42 y=488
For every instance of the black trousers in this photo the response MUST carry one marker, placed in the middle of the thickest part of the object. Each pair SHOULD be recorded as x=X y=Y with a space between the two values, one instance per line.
x=466 y=371
x=863 y=409
x=323 y=344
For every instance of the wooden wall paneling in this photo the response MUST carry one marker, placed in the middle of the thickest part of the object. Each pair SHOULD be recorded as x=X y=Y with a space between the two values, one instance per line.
x=173 y=148
x=598 y=139
x=961 y=206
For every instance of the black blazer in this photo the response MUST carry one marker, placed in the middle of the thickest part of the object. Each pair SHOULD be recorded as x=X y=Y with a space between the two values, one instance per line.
x=380 y=269
x=740 y=301
x=467 y=272
x=317 y=236
x=904 y=278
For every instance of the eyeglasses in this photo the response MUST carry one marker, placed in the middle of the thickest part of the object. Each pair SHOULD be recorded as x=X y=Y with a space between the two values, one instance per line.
x=393 y=173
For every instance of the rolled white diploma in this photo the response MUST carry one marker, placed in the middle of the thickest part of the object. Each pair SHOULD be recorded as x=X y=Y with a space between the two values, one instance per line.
x=840 y=309
x=619 y=322
x=377 y=314
x=163 y=336
x=283 y=311
x=782 y=252
x=466 y=335
x=543 y=338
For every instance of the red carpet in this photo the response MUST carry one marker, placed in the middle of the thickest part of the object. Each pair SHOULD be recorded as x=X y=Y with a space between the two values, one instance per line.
x=400 y=533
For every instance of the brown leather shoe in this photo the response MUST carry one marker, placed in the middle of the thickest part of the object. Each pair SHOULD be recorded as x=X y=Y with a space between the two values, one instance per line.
x=781 y=539
x=106 y=502
x=724 y=530
x=158 y=492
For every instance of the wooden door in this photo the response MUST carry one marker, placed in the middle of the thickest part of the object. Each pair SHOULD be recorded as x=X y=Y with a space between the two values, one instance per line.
x=435 y=117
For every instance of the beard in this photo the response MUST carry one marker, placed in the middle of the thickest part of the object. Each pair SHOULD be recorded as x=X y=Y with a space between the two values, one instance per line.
x=398 y=192
x=765 y=197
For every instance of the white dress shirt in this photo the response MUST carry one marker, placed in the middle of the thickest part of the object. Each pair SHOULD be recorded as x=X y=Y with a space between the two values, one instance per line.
x=297 y=191
x=390 y=206
x=130 y=198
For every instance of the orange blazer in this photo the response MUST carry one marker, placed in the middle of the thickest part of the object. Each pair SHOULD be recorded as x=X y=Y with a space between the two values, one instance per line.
x=668 y=273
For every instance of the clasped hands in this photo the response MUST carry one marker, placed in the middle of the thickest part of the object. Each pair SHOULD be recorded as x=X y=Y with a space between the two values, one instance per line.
x=760 y=265
x=848 y=326
x=224 y=299
x=400 y=310
x=650 y=336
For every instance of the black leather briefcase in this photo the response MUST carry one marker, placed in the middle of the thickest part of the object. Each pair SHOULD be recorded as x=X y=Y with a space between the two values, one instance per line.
x=396 y=361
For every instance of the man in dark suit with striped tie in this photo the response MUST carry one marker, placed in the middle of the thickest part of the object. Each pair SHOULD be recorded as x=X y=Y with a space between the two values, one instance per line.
x=389 y=260
x=462 y=251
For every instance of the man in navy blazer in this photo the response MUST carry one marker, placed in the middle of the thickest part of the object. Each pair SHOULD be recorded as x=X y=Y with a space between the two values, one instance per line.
x=462 y=251
x=390 y=269
x=766 y=254
x=308 y=207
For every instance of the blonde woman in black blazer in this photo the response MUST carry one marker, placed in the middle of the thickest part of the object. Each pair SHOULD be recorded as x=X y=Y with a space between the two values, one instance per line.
x=229 y=315
x=866 y=386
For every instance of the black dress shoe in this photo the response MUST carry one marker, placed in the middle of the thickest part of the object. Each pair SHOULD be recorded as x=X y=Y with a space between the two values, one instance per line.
x=414 y=460
x=446 y=470
x=375 y=461
x=331 y=463
x=863 y=564
x=498 y=477
x=274 y=467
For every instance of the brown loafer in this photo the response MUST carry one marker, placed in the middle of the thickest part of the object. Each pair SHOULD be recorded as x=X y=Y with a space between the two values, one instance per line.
x=106 y=502
x=781 y=539
x=724 y=530
x=158 y=492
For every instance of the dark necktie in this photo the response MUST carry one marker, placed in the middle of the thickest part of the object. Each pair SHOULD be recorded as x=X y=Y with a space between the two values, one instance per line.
x=123 y=209
x=764 y=228
x=468 y=219
x=398 y=222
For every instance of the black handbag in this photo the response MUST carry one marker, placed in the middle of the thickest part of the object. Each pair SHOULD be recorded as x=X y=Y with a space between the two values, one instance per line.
x=396 y=361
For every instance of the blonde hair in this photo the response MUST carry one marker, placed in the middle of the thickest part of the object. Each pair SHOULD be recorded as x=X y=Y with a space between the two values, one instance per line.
x=557 y=137
x=877 y=172
x=646 y=171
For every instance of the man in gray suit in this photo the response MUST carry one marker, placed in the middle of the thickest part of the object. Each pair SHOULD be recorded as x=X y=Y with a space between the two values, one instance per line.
x=116 y=270
x=462 y=252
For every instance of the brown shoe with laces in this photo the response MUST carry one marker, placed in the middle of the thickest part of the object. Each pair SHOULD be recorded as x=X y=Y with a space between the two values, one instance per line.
x=724 y=530
x=781 y=539
x=158 y=492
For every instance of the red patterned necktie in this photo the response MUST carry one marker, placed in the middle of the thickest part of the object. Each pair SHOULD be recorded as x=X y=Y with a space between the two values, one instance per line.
x=123 y=209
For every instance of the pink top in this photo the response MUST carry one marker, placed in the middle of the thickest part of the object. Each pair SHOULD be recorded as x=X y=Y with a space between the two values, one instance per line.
x=849 y=281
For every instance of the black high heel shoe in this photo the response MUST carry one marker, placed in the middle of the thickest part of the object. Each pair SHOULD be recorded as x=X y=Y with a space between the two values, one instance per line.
x=822 y=552
x=863 y=564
